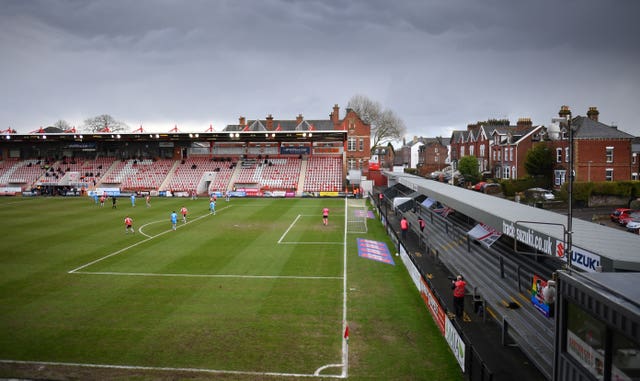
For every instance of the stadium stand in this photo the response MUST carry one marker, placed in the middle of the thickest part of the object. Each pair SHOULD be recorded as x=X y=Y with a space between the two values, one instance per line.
x=204 y=174
x=324 y=173
x=193 y=173
x=139 y=175
x=23 y=173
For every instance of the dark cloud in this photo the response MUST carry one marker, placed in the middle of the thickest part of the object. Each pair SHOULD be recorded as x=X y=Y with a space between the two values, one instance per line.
x=439 y=65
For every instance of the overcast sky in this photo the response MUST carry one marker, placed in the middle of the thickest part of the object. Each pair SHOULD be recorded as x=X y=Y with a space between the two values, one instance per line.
x=439 y=65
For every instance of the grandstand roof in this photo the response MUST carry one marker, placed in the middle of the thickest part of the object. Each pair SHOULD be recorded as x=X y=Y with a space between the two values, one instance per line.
x=618 y=249
x=225 y=136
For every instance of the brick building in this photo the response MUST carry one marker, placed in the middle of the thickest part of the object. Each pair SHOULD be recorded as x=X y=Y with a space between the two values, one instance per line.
x=357 y=149
x=601 y=152
x=433 y=155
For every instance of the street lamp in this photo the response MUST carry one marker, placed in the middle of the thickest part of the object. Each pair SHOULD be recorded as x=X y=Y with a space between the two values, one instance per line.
x=569 y=251
x=589 y=170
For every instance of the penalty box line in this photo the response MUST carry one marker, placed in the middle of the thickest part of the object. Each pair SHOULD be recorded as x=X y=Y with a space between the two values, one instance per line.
x=169 y=369
x=303 y=243
x=149 y=238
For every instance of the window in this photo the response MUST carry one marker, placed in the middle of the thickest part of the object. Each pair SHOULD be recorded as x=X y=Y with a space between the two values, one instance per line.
x=585 y=340
x=461 y=151
x=608 y=174
x=482 y=150
x=499 y=152
x=634 y=176
x=558 y=155
x=351 y=144
x=471 y=150
x=506 y=172
x=566 y=154
x=511 y=154
x=625 y=355
x=351 y=163
x=609 y=154
x=634 y=158
x=361 y=146
x=513 y=172
x=559 y=177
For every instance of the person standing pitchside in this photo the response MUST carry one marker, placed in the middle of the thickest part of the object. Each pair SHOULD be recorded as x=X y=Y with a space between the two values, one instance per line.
x=325 y=216
x=458 y=286
x=404 y=226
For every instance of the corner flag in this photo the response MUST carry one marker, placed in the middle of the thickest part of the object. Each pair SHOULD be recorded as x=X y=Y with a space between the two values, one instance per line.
x=346 y=333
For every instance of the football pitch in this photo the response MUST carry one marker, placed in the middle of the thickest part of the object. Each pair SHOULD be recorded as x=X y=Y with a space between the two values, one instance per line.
x=261 y=289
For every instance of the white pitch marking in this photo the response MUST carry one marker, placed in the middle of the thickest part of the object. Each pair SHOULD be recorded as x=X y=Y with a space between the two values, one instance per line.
x=289 y=228
x=165 y=369
x=311 y=243
x=207 y=275
x=137 y=243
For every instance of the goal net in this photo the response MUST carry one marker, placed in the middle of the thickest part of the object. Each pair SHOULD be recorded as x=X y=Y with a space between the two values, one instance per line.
x=357 y=215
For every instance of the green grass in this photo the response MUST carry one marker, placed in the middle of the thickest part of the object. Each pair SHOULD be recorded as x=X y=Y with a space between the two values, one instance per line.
x=257 y=288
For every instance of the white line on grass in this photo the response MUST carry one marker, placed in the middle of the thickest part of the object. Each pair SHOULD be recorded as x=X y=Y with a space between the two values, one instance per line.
x=289 y=228
x=345 y=325
x=164 y=369
x=310 y=243
x=136 y=244
x=345 y=340
x=304 y=243
x=208 y=275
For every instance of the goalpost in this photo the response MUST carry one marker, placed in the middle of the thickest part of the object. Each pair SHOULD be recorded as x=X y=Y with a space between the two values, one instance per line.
x=357 y=215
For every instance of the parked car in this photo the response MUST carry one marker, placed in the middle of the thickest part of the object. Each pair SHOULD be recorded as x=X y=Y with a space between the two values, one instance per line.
x=479 y=186
x=539 y=194
x=625 y=218
x=633 y=226
x=492 y=188
x=615 y=215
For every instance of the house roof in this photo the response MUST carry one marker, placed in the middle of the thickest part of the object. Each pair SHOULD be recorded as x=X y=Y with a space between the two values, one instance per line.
x=284 y=125
x=586 y=128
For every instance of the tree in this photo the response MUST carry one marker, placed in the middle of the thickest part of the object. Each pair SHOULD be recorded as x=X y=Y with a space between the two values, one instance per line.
x=468 y=167
x=62 y=124
x=104 y=123
x=385 y=124
x=539 y=162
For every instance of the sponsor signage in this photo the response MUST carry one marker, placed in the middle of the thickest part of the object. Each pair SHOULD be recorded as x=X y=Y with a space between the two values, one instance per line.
x=294 y=150
x=437 y=312
x=455 y=342
x=530 y=237
x=581 y=258
x=79 y=145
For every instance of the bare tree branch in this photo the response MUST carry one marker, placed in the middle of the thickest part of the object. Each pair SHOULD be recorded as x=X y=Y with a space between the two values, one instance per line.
x=104 y=123
x=386 y=126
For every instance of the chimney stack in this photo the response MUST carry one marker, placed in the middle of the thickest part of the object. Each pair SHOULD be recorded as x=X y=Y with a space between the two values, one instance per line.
x=242 y=121
x=593 y=113
x=564 y=111
x=269 y=122
x=523 y=123
x=299 y=119
x=335 y=115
